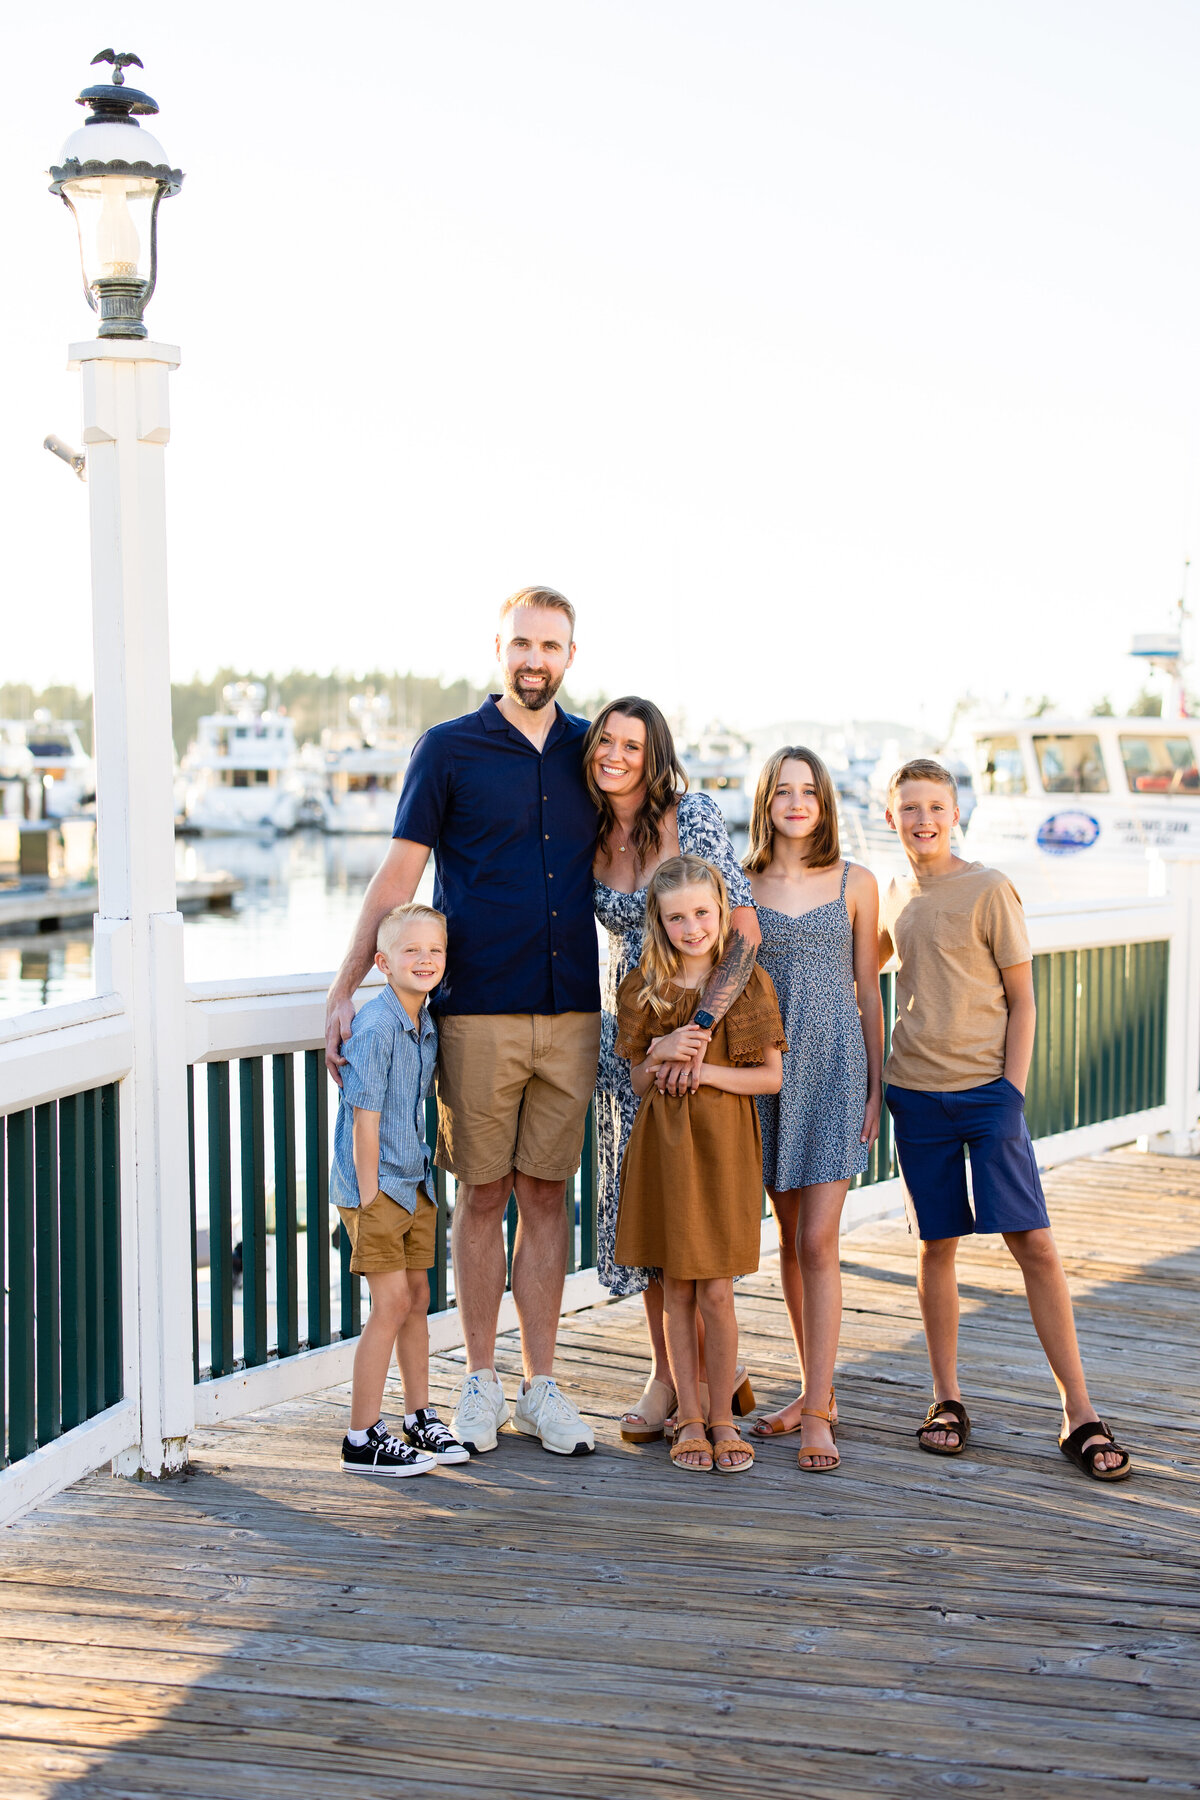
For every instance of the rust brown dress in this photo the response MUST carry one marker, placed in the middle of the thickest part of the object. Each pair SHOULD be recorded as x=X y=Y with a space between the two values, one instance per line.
x=691 y=1179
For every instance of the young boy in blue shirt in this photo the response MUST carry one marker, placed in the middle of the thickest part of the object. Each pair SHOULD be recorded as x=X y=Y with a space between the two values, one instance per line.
x=381 y=1182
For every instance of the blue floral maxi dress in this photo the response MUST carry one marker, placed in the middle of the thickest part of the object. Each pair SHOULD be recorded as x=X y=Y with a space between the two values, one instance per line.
x=811 y=1128
x=701 y=830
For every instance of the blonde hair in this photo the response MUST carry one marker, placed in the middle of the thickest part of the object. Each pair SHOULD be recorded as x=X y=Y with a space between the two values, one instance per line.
x=393 y=923
x=661 y=962
x=824 y=844
x=539 y=596
x=922 y=768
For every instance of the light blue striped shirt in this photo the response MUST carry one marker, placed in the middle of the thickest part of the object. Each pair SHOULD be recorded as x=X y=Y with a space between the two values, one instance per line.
x=389 y=1070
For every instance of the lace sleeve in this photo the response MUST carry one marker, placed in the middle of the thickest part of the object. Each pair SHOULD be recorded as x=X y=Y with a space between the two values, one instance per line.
x=753 y=1024
x=635 y=1026
x=702 y=832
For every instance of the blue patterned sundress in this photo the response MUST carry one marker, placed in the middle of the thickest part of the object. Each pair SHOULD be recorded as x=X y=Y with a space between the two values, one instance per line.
x=701 y=828
x=811 y=1128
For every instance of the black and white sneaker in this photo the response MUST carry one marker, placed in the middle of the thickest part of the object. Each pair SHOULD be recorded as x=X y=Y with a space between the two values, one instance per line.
x=382 y=1454
x=432 y=1437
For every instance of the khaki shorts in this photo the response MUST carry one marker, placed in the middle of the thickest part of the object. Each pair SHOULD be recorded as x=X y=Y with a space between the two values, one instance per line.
x=513 y=1093
x=385 y=1236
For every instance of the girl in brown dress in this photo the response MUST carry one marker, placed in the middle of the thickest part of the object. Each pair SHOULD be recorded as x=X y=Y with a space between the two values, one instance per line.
x=691 y=1181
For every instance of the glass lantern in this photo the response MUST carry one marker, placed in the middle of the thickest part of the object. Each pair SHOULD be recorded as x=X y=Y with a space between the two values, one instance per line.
x=113 y=177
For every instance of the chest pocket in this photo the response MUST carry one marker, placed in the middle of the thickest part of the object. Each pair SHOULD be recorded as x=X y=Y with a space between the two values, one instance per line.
x=954 y=931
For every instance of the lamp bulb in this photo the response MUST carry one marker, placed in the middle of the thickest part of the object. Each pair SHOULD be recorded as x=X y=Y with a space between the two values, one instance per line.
x=117 y=246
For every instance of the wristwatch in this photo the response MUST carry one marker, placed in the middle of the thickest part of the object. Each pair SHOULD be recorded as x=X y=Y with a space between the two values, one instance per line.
x=704 y=1020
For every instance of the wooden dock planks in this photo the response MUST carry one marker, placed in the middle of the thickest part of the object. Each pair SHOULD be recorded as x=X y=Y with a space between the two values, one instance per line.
x=537 y=1626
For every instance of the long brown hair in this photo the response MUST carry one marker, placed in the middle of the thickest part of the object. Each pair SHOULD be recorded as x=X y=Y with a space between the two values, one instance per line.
x=825 y=847
x=665 y=777
x=661 y=962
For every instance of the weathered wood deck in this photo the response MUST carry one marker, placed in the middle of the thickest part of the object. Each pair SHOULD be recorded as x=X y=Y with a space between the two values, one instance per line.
x=541 y=1627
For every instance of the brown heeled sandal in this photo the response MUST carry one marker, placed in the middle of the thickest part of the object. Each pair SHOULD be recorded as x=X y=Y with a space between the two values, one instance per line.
x=644 y=1422
x=769 y=1427
x=694 y=1445
x=726 y=1446
x=811 y=1468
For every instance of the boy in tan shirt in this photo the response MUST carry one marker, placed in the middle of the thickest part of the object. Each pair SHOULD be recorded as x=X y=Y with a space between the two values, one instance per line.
x=955 y=1083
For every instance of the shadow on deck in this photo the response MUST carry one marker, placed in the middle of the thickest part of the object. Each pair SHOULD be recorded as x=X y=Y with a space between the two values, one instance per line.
x=531 y=1626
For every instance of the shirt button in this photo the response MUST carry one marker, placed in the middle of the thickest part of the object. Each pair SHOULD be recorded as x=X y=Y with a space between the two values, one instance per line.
x=549 y=877
x=545 y=796
x=553 y=915
x=554 y=953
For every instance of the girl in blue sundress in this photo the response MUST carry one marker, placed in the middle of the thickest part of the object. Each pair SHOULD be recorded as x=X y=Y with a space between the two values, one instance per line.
x=819 y=917
x=646 y=817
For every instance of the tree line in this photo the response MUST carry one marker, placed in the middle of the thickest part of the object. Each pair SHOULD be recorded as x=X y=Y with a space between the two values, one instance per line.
x=312 y=700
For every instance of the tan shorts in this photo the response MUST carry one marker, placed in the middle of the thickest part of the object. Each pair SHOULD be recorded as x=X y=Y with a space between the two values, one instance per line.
x=385 y=1236
x=513 y=1092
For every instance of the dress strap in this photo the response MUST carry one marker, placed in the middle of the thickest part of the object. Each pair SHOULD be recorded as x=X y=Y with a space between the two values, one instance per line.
x=845 y=878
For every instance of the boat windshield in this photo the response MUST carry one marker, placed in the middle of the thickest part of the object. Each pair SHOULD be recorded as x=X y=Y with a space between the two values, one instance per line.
x=1001 y=770
x=1071 y=764
x=1160 y=765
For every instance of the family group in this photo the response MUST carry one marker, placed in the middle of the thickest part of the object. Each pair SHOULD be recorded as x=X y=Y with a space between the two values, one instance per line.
x=738 y=1043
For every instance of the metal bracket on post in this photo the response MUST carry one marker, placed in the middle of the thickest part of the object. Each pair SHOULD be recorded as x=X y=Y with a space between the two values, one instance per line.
x=139 y=932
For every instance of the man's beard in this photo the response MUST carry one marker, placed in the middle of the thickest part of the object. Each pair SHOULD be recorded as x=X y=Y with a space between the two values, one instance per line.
x=531 y=698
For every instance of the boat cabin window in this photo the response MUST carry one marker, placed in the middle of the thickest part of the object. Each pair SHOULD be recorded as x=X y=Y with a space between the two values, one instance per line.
x=1160 y=765
x=1071 y=765
x=1001 y=770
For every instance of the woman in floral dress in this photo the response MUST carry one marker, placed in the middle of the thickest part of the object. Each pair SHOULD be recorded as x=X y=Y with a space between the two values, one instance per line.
x=646 y=815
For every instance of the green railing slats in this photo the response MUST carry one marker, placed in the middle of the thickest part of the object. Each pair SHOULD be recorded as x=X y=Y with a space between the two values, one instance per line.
x=22 y=1418
x=437 y=1275
x=93 y=1235
x=46 y=1277
x=254 y=1211
x=350 y=1290
x=60 y=1341
x=220 y=1221
x=72 y=1250
x=316 y=1191
x=110 y=1171
x=283 y=1097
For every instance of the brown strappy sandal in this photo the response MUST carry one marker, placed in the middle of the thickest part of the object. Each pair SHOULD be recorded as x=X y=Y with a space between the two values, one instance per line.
x=726 y=1446
x=695 y=1445
x=768 y=1425
x=811 y=1412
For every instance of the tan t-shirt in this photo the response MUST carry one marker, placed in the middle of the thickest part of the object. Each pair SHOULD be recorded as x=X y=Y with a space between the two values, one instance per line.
x=953 y=935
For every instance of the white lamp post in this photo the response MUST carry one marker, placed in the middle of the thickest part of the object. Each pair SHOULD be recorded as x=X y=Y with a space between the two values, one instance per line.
x=110 y=172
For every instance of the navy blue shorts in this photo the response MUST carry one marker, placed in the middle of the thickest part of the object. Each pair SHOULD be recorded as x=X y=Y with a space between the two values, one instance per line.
x=933 y=1130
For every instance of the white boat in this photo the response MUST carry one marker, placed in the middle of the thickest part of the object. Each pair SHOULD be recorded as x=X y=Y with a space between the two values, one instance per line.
x=361 y=769
x=1085 y=791
x=60 y=775
x=721 y=763
x=242 y=773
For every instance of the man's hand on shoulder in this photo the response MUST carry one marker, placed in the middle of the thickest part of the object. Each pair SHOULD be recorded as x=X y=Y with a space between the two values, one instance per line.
x=339 y=1023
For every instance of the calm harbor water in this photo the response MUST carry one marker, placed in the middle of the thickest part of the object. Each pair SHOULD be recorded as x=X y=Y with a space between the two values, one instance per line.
x=301 y=895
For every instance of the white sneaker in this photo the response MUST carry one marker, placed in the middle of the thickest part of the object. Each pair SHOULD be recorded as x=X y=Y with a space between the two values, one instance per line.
x=482 y=1410
x=543 y=1411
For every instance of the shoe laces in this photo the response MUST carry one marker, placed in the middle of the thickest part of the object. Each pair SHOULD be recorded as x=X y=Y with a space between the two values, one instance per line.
x=555 y=1402
x=473 y=1396
x=385 y=1442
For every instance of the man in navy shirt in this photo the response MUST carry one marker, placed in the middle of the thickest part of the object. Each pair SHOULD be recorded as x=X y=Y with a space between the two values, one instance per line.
x=499 y=797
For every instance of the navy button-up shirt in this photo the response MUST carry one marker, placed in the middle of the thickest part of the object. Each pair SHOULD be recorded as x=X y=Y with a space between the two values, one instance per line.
x=513 y=833
x=389 y=1070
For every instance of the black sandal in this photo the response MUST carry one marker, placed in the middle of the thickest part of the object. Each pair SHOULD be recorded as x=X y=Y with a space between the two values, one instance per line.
x=1085 y=1459
x=957 y=1422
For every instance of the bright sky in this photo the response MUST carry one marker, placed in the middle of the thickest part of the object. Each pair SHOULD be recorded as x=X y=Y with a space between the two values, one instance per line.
x=834 y=356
